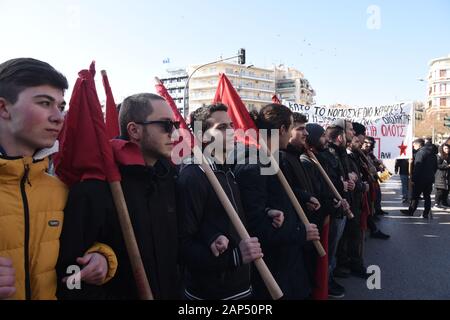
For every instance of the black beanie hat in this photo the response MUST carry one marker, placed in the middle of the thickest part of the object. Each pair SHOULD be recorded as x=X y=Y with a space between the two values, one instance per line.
x=359 y=129
x=315 y=131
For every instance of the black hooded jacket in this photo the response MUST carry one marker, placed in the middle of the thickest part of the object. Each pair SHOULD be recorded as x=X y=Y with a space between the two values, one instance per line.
x=284 y=247
x=425 y=165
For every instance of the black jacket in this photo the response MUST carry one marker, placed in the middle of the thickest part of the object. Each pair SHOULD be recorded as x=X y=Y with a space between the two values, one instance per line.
x=283 y=248
x=442 y=174
x=402 y=167
x=297 y=177
x=91 y=216
x=202 y=219
x=335 y=162
x=425 y=165
x=357 y=193
x=321 y=190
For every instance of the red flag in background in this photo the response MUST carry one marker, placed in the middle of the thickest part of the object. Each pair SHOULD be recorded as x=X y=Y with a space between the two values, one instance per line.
x=112 y=118
x=186 y=136
x=237 y=111
x=85 y=152
x=275 y=99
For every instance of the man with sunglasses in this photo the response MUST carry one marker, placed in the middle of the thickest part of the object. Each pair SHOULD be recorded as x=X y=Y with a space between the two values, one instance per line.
x=148 y=181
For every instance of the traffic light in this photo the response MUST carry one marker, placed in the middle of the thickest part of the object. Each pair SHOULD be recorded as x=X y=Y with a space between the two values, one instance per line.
x=447 y=121
x=241 y=56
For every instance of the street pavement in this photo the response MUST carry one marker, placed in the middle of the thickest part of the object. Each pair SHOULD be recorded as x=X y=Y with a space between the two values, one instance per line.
x=414 y=262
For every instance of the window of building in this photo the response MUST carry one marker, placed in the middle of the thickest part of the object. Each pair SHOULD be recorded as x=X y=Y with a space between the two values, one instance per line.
x=443 y=102
x=443 y=73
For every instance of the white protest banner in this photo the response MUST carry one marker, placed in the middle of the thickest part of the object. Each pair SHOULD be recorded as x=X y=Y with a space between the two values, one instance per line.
x=390 y=125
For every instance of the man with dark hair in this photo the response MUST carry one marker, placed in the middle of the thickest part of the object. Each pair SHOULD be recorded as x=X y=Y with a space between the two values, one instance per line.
x=301 y=182
x=295 y=173
x=376 y=165
x=32 y=201
x=215 y=260
x=352 y=241
x=340 y=133
x=425 y=167
x=371 y=175
x=317 y=142
x=284 y=245
x=148 y=182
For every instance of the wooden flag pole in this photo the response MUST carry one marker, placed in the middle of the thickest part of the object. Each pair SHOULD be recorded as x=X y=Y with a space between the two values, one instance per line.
x=330 y=184
x=142 y=283
x=298 y=208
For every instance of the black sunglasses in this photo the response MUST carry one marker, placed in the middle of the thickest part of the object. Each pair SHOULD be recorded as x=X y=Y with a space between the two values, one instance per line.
x=168 y=125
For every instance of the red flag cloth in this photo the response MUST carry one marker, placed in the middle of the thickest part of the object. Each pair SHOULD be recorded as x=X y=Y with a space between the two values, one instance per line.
x=127 y=153
x=237 y=111
x=320 y=292
x=186 y=137
x=227 y=95
x=275 y=99
x=85 y=152
x=112 y=117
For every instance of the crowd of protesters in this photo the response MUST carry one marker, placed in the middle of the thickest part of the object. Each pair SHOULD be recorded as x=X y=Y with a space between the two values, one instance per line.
x=189 y=247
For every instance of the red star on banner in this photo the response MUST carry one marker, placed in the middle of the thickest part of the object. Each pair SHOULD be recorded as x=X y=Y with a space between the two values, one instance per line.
x=403 y=149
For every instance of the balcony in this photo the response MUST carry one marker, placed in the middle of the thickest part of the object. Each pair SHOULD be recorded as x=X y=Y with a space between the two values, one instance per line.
x=251 y=77
x=441 y=94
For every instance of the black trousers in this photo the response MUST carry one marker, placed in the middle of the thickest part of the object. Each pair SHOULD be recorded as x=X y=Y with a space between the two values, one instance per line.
x=418 y=189
x=441 y=197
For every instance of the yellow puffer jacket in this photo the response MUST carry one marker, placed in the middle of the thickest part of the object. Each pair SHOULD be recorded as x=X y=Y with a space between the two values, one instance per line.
x=31 y=218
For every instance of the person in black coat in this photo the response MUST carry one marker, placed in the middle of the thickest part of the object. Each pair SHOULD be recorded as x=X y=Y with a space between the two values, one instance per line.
x=148 y=183
x=215 y=260
x=425 y=166
x=402 y=168
x=442 y=180
x=317 y=142
x=261 y=193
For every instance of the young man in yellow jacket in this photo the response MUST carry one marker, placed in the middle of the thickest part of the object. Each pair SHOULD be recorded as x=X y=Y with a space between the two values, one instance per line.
x=32 y=201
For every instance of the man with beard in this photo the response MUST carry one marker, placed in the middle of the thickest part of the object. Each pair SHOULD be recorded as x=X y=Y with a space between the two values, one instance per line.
x=340 y=133
x=331 y=209
x=148 y=181
x=352 y=240
x=368 y=145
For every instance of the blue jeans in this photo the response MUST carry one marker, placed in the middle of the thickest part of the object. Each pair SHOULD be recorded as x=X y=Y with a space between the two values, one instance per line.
x=336 y=230
x=405 y=181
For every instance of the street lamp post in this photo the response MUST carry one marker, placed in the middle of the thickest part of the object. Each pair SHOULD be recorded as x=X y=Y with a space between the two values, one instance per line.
x=241 y=56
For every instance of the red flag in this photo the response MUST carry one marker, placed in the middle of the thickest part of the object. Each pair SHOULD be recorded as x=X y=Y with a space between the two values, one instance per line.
x=237 y=111
x=320 y=292
x=275 y=99
x=227 y=95
x=186 y=136
x=112 y=118
x=85 y=152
